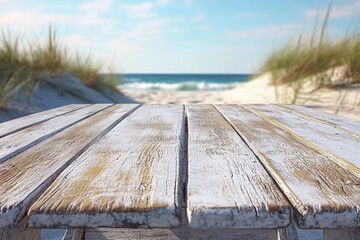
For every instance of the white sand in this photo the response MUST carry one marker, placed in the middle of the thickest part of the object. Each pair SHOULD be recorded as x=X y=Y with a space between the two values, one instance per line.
x=259 y=90
x=57 y=91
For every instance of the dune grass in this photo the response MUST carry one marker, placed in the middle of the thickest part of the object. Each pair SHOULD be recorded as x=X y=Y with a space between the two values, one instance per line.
x=14 y=68
x=311 y=62
x=23 y=60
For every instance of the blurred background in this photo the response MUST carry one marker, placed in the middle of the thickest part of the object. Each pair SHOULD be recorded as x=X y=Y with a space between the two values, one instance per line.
x=177 y=36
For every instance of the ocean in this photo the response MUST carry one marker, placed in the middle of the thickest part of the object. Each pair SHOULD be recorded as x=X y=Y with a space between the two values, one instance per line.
x=181 y=82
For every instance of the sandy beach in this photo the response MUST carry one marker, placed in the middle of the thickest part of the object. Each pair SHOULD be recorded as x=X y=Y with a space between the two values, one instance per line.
x=256 y=91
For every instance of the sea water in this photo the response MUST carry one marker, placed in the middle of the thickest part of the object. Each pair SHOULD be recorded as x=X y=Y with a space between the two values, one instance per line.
x=181 y=82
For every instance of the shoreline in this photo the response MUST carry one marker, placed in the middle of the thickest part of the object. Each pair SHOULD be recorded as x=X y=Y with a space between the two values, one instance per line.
x=257 y=91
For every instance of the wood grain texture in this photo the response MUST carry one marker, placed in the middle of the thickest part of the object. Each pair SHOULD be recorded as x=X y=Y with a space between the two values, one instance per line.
x=69 y=233
x=288 y=233
x=180 y=234
x=20 y=234
x=129 y=234
x=342 y=234
x=324 y=194
x=25 y=176
x=351 y=125
x=128 y=179
x=17 y=124
x=78 y=234
x=333 y=142
x=227 y=185
x=21 y=140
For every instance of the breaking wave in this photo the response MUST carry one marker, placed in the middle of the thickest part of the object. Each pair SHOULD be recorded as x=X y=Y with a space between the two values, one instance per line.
x=181 y=86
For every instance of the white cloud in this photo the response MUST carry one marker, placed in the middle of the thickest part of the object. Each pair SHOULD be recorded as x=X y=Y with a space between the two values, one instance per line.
x=108 y=27
x=38 y=17
x=122 y=45
x=141 y=10
x=265 y=31
x=91 y=19
x=337 y=11
x=200 y=16
x=91 y=13
x=205 y=27
x=144 y=9
x=189 y=2
x=26 y=19
x=245 y=15
x=75 y=40
x=139 y=37
x=97 y=5
x=162 y=2
x=147 y=30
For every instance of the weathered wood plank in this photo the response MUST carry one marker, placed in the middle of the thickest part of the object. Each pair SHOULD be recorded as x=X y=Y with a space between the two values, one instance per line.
x=128 y=179
x=324 y=117
x=324 y=194
x=231 y=234
x=79 y=234
x=336 y=143
x=342 y=234
x=130 y=234
x=14 y=125
x=288 y=233
x=227 y=185
x=21 y=140
x=25 y=176
x=69 y=234
x=180 y=234
x=20 y=234
x=54 y=234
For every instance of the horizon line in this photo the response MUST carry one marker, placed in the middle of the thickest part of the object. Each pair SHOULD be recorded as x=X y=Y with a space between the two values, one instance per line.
x=183 y=73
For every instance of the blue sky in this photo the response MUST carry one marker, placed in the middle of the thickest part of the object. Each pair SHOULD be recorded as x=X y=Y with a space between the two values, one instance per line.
x=177 y=36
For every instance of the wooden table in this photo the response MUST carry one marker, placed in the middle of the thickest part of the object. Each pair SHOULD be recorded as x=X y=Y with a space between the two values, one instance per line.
x=248 y=170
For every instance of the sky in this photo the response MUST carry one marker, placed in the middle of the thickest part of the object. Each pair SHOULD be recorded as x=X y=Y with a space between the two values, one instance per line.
x=177 y=36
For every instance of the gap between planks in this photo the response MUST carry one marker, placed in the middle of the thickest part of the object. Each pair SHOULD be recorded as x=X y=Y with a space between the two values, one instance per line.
x=228 y=187
x=262 y=164
x=54 y=113
x=350 y=164
x=26 y=201
x=146 y=144
x=96 y=139
x=345 y=124
x=305 y=204
x=185 y=169
x=28 y=137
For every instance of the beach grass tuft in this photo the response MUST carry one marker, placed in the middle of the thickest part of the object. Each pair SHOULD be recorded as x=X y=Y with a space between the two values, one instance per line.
x=315 y=61
x=23 y=60
x=84 y=68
